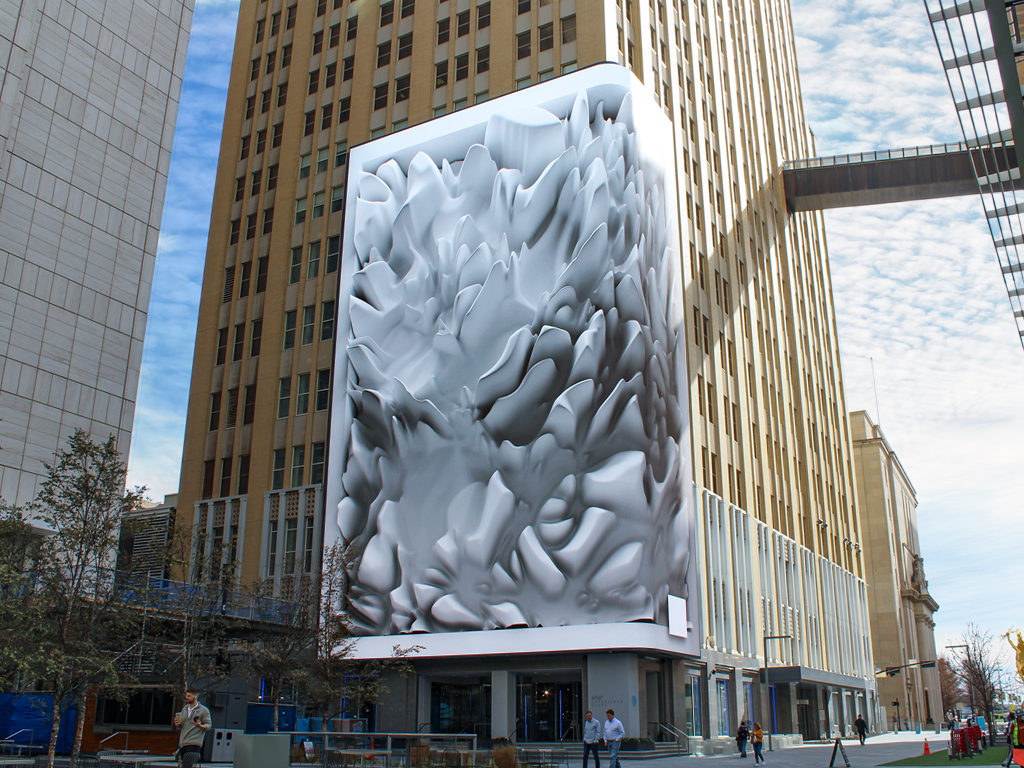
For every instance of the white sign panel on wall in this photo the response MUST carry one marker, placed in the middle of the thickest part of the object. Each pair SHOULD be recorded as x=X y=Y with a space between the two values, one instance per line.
x=510 y=439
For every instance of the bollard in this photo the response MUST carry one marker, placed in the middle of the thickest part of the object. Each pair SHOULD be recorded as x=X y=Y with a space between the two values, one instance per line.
x=919 y=729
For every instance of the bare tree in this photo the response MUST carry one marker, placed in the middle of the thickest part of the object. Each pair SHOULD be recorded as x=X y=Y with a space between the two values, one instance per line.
x=86 y=620
x=332 y=675
x=952 y=691
x=977 y=666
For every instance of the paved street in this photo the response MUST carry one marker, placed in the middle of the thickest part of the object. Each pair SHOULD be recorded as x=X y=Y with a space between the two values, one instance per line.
x=877 y=751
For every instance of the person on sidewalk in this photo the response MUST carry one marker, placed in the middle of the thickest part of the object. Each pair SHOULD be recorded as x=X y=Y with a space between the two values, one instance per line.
x=862 y=729
x=193 y=721
x=613 y=733
x=591 y=734
x=757 y=739
x=742 y=734
x=1015 y=735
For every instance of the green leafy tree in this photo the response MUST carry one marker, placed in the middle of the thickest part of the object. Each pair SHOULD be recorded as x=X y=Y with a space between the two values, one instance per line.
x=87 y=622
x=18 y=604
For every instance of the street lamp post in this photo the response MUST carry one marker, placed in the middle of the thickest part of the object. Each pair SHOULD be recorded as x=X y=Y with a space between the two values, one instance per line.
x=767 y=685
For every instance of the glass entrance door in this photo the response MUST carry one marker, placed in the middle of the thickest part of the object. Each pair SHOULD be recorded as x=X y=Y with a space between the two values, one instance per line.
x=548 y=710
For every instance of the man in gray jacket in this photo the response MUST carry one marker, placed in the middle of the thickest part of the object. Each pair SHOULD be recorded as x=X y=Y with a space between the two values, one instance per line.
x=193 y=721
x=591 y=733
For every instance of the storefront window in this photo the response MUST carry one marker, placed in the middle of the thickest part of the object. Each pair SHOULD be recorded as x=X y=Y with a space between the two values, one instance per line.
x=723 y=707
x=693 y=713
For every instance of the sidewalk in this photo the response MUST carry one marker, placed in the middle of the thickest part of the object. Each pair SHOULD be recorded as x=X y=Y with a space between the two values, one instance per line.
x=878 y=750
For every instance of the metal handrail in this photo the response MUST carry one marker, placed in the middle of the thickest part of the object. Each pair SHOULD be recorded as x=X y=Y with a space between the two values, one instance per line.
x=126 y=735
x=875 y=155
x=680 y=736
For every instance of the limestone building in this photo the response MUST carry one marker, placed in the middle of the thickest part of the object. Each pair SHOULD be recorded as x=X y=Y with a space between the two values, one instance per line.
x=778 y=538
x=902 y=628
x=87 y=112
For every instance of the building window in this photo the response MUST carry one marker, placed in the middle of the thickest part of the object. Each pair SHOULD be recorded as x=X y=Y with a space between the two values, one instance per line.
x=261 y=29
x=384 y=54
x=236 y=228
x=272 y=528
x=546 y=37
x=277 y=482
x=318 y=205
x=249 y=408
x=483 y=16
x=307 y=546
x=462 y=24
x=232 y=416
x=282 y=94
x=326 y=113
x=289 y=328
x=483 y=59
x=722 y=688
x=239 y=345
x=278 y=131
x=209 y=467
x=225 y=477
x=380 y=96
x=222 y=346
x=569 y=30
x=284 y=397
x=243 y=284
x=316 y=475
x=289 y=22
x=443 y=30
x=323 y=389
x=298 y=472
x=308 y=324
x=146 y=707
x=333 y=249
x=441 y=75
x=250 y=107
x=321 y=8
x=314 y=261
x=408 y=8
x=347 y=67
x=523 y=6
x=257 y=178
x=343 y=109
x=295 y=269
x=271 y=62
x=523 y=45
x=300 y=210
x=261 y=273
x=250 y=226
x=245 y=148
x=215 y=410
x=291 y=527
x=286 y=56
x=402 y=88
x=243 y=474
x=229 y=284
x=275 y=24
x=330 y=75
x=304 y=163
x=327 y=321
x=335 y=36
x=255 y=71
x=387 y=13
x=272 y=177
x=405 y=46
x=351 y=27
x=256 y=341
x=268 y=220
x=340 y=153
x=314 y=81
x=310 y=123
x=337 y=199
x=462 y=66
x=261 y=141
x=302 y=395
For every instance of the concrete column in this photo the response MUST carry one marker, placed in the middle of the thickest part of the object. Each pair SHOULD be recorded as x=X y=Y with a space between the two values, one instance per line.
x=503 y=705
x=613 y=682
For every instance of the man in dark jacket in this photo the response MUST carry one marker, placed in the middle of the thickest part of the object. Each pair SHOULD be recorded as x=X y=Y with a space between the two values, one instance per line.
x=862 y=728
x=742 y=735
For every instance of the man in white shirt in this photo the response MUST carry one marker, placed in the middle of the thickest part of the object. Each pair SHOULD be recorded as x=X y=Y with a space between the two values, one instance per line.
x=613 y=733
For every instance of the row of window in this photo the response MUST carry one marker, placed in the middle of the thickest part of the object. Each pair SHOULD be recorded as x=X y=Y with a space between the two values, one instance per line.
x=298 y=476
x=321 y=396
x=483 y=64
x=308 y=330
x=237 y=348
x=288 y=561
x=545 y=37
x=462 y=23
x=231 y=415
x=209 y=470
x=245 y=283
x=313 y=253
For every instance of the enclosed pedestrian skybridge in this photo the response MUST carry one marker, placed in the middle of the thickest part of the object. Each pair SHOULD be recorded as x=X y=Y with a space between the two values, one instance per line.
x=898 y=175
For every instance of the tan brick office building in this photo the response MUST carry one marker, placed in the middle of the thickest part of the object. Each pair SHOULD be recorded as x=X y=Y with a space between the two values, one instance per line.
x=778 y=531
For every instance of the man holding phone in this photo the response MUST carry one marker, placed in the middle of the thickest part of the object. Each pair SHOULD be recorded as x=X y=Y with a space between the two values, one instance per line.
x=193 y=721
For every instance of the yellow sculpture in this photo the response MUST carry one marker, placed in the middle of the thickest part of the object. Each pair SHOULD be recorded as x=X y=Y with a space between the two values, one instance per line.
x=1018 y=647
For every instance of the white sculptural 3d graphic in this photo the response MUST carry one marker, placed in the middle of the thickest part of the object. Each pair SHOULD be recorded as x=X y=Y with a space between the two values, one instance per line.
x=510 y=440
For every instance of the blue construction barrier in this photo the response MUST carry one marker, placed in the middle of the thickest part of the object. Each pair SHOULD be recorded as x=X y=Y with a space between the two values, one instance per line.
x=259 y=718
x=26 y=719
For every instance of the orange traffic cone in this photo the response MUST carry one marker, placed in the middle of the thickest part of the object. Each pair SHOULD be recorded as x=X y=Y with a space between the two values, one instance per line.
x=927 y=751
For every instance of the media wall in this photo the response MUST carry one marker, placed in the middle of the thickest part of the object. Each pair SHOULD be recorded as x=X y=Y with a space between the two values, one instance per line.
x=510 y=439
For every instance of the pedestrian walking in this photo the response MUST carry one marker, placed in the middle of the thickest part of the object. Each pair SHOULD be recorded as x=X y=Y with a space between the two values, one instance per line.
x=1016 y=737
x=757 y=739
x=742 y=734
x=613 y=733
x=862 y=729
x=591 y=735
x=193 y=721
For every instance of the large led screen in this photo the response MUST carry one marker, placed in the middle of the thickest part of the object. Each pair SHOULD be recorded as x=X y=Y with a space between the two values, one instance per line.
x=510 y=439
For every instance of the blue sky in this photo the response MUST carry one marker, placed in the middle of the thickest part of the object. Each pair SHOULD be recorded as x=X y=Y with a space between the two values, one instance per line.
x=917 y=289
